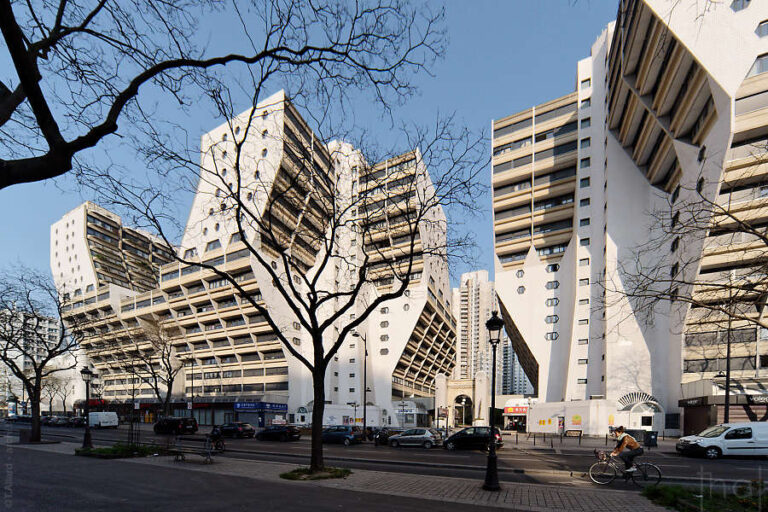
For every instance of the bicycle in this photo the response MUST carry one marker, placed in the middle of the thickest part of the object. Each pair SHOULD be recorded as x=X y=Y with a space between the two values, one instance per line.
x=607 y=469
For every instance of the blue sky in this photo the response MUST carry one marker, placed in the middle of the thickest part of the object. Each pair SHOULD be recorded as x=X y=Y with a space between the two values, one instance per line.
x=503 y=56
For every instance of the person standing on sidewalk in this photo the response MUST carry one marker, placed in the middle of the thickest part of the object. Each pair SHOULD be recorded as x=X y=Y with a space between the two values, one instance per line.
x=624 y=440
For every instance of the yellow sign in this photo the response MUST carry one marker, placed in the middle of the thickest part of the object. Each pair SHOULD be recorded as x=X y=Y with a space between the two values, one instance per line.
x=611 y=420
x=549 y=421
x=576 y=420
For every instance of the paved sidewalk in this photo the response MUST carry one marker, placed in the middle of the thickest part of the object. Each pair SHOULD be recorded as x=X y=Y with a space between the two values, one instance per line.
x=513 y=496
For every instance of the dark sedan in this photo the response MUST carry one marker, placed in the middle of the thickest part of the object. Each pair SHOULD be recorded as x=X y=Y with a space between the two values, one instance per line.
x=343 y=434
x=279 y=433
x=238 y=429
x=175 y=425
x=472 y=438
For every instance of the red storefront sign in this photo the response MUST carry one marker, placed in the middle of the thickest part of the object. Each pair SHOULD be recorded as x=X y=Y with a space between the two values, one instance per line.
x=516 y=410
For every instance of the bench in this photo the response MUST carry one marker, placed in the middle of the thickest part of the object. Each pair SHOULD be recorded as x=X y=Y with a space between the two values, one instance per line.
x=207 y=452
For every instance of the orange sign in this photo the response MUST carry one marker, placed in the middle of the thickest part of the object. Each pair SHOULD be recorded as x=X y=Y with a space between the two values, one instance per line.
x=576 y=420
x=516 y=410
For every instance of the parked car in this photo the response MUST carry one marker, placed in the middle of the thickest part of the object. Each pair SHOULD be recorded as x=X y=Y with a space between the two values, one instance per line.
x=238 y=429
x=383 y=435
x=59 y=421
x=279 y=433
x=425 y=437
x=76 y=421
x=343 y=434
x=47 y=420
x=473 y=438
x=174 y=425
x=750 y=438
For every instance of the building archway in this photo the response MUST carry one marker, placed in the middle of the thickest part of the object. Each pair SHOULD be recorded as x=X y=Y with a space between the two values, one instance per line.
x=464 y=409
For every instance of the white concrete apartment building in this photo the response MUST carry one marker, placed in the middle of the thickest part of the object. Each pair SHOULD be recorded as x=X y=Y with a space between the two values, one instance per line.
x=665 y=104
x=233 y=361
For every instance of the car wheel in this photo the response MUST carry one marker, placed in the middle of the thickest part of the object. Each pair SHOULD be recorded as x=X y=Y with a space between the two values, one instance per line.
x=712 y=453
x=427 y=444
x=347 y=442
x=394 y=444
x=450 y=445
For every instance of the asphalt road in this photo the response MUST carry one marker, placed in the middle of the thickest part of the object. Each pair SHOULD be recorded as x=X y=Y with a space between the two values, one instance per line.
x=41 y=482
x=541 y=465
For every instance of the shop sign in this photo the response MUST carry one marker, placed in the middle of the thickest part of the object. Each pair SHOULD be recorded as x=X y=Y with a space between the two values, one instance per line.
x=516 y=410
x=757 y=399
x=692 y=402
x=260 y=407
x=442 y=412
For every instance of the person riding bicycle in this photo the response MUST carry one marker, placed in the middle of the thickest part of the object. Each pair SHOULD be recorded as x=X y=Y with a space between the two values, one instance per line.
x=624 y=440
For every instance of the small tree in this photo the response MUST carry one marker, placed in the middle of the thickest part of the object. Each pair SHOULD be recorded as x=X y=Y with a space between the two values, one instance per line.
x=66 y=389
x=50 y=390
x=28 y=301
x=151 y=357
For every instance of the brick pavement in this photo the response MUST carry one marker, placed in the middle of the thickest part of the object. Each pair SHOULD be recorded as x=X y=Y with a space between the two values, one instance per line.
x=513 y=496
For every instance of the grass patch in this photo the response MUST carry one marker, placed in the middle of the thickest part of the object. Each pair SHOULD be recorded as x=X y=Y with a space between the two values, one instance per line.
x=121 y=451
x=306 y=474
x=746 y=498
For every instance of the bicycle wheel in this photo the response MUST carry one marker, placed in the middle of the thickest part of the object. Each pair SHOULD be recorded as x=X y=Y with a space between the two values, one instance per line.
x=646 y=475
x=602 y=473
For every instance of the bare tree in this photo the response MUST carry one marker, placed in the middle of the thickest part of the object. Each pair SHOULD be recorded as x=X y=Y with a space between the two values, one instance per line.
x=28 y=302
x=716 y=275
x=296 y=226
x=79 y=67
x=150 y=357
x=66 y=389
x=50 y=389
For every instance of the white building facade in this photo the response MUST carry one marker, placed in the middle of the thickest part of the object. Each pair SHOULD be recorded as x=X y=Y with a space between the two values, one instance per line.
x=660 y=109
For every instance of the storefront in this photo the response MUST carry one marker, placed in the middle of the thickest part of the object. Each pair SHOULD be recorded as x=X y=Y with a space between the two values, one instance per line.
x=516 y=418
x=261 y=414
x=748 y=402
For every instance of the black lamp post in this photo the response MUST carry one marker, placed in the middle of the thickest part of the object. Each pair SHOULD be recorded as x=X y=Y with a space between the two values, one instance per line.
x=365 y=384
x=87 y=376
x=494 y=326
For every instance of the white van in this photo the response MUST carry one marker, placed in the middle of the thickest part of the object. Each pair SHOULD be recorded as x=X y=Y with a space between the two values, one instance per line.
x=727 y=439
x=102 y=419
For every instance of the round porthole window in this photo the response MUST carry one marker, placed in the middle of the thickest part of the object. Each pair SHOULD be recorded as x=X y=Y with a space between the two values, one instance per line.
x=521 y=290
x=520 y=273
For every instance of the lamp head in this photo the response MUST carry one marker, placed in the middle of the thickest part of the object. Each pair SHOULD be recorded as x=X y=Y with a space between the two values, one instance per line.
x=86 y=374
x=494 y=326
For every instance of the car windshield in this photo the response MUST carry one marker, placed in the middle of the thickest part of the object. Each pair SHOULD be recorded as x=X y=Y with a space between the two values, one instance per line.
x=713 y=431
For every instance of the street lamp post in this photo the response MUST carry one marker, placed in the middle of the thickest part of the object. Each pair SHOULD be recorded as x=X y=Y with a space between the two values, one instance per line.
x=365 y=384
x=87 y=376
x=494 y=326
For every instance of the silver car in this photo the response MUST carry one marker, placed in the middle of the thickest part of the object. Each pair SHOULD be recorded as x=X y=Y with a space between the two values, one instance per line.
x=425 y=437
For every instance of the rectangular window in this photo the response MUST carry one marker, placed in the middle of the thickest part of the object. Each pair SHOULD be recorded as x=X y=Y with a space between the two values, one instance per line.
x=584 y=321
x=583 y=302
x=582 y=361
x=587 y=82
x=586 y=103
x=584 y=222
x=581 y=381
x=586 y=122
x=585 y=143
x=584 y=282
x=583 y=341
x=585 y=162
x=583 y=182
x=584 y=202
x=584 y=242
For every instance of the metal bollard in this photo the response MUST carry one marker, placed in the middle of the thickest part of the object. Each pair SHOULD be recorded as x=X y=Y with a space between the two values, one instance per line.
x=561 y=438
x=551 y=443
x=516 y=434
x=606 y=439
x=534 y=439
x=580 y=438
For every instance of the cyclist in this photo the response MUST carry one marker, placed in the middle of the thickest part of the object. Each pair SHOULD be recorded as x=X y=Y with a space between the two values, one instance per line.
x=624 y=440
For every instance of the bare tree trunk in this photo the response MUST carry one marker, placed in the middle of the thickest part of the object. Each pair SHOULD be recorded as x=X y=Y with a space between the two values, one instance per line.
x=64 y=406
x=34 y=398
x=318 y=380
